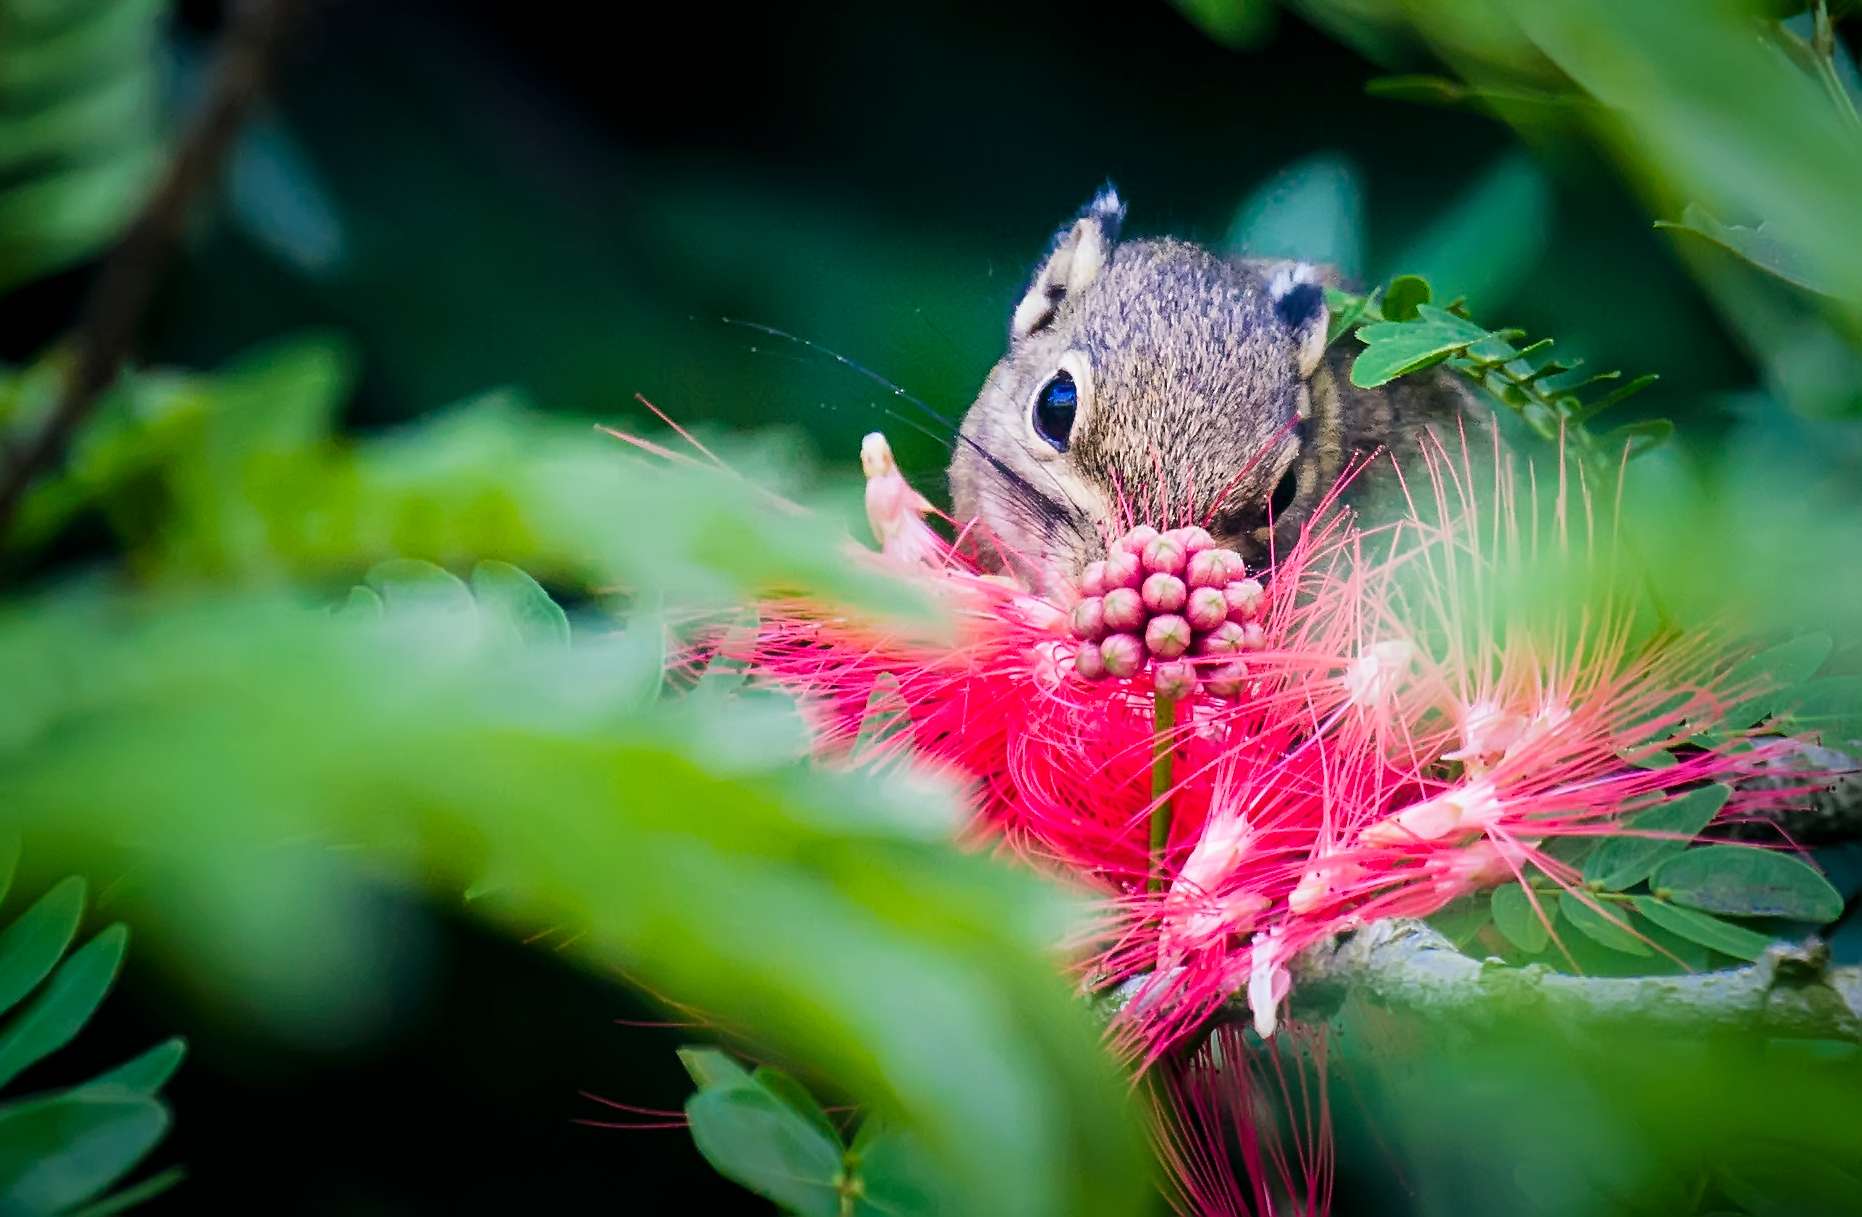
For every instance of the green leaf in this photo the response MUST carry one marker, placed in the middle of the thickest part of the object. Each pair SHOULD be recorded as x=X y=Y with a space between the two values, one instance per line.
x=9 y=864
x=897 y=1178
x=751 y=1137
x=1704 y=928
x=519 y=604
x=797 y=1097
x=54 y=1017
x=62 y=1150
x=362 y=604
x=1518 y=921
x=1397 y=348
x=1460 y=920
x=1404 y=296
x=147 y=1073
x=1635 y=439
x=1488 y=239
x=1761 y=246
x=411 y=584
x=1745 y=881
x=1830 y=707
x=1588 y=920
x=1312 y=211
x=1775 y=672
x=32 y=946
x=712 y=1069
x=1625 y=860
x=132 y=1196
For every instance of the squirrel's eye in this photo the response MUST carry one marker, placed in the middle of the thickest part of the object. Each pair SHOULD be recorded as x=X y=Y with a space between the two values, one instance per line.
x=1054 y=407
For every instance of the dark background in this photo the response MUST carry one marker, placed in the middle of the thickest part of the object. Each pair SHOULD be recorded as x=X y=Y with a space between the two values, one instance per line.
x=569 y=199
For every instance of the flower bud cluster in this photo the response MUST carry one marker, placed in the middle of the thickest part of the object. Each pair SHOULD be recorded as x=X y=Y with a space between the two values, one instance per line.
x=1174 y=603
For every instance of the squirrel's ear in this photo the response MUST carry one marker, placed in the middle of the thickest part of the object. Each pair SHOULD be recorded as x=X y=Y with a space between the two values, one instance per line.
x=1298 y=295
x=1080 y=252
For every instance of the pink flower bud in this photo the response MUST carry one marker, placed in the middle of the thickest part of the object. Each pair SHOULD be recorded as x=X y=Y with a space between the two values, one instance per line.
x=1093 y=579
x=1226 y=680
x=1193 y=539
x=1167 y=636
x=1089 y=663
x=1207 y=607
x=1173 y=680
x=1121 y=609
x=1208 y=568
x=1253 y=637
x=1134 y=541
x=1237 y=568
x=1224 y=639
x=1122 y=654
x=1163 y=554
x=1087 y=620
x=1163 y=593
x=1122 y=570
x=1244 y=599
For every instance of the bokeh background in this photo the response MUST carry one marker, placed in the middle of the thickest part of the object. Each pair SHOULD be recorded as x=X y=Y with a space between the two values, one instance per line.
x=572 y=204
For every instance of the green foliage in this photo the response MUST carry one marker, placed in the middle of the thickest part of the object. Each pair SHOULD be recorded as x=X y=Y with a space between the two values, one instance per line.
x=61 y=1149
x=1312 y=210
x=78 y=86
x=1745 y=882
x=1623 y=861
x=763 y=1129
x=683 y=839
x=1404 y=333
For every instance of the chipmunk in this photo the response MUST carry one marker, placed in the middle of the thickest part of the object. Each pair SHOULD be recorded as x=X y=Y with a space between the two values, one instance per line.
x=1154 y=381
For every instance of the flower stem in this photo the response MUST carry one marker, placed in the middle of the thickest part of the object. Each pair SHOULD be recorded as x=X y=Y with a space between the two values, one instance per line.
x=1163 y=756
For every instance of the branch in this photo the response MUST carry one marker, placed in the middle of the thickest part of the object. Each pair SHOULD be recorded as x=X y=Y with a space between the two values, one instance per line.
x=129 y=276
x=1792 y=991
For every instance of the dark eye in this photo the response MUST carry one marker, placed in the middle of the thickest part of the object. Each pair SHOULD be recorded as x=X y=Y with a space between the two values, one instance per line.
x=1284 y=493
x=1054 y=407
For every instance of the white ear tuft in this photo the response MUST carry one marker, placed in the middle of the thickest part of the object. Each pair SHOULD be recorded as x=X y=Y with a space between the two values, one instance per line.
x=1080 y=252
x=1298 y=295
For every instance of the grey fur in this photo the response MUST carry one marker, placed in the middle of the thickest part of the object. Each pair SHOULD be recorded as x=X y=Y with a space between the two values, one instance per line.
x=1192 y=407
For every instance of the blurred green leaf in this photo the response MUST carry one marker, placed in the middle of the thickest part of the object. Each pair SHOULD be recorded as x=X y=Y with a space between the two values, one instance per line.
x=1773 y=147
x=1703 y=928
x=1486 y=241
x=63 y=1149
x=797 y=1098
x=1588 y=920
x=1830 y=707
x=685 y=839
x=1757 y=245
x=1626 y=860
x=1775 y=673
x=1312 y=211
x=752 y=1137
x=418 y=587
x=519 y=604
x=1747 y=882
x=77 y=129
x=1233 y=23
x=1518 y=921
x=712 y=1068
x=33 y=944
x=53 y=1019
x=147 y=1073
x=132 y=1196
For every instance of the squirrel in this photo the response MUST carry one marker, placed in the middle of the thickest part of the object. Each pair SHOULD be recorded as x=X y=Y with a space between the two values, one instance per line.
x=1155 y=381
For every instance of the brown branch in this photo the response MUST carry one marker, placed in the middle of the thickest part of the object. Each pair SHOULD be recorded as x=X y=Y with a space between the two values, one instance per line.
x=1791 y=992
x=130 y=274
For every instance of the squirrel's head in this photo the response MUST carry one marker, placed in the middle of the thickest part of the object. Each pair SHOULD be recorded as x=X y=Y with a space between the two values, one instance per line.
x=1146 y=381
